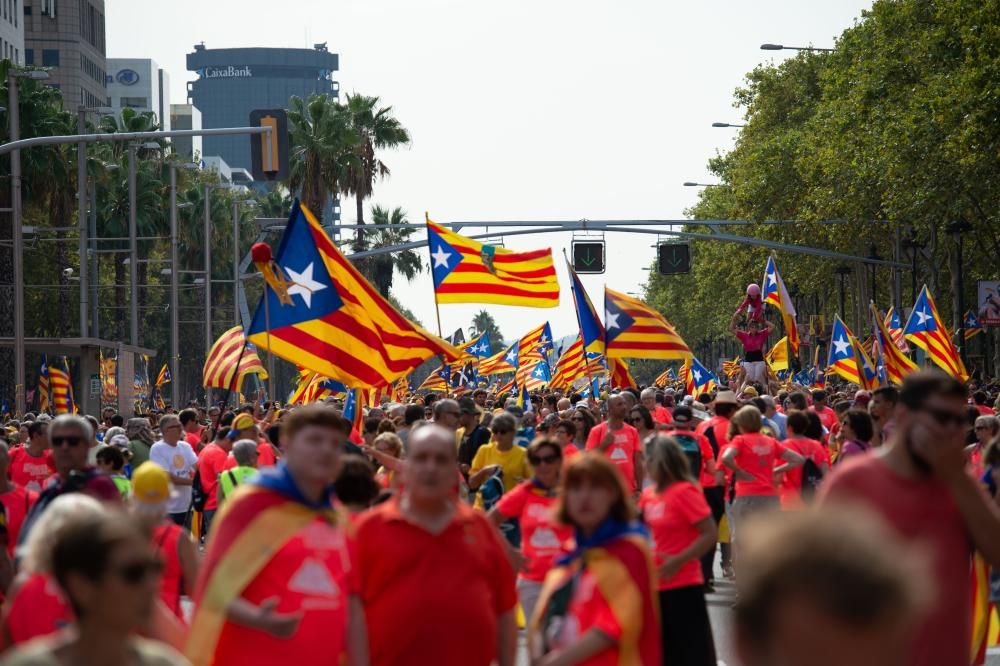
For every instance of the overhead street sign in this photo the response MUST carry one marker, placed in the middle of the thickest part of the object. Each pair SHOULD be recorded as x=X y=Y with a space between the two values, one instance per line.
x=588 y=256
x=673 y=258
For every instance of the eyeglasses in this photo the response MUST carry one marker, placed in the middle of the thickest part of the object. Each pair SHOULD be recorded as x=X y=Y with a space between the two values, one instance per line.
x=135 y=573
x=577 y=418
x=70 y=441
x=543 y=460
x=945 y=417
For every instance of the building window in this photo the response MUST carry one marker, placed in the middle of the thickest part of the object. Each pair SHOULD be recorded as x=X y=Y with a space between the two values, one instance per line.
x=50 y=57
x=29 y=56
x=135 y=102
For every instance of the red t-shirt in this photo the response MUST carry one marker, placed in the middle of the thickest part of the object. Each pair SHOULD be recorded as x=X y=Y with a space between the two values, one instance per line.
x=828 y=418
x=672 y=516
x=312 y=574
x=194 y=439
x=752 y=341
x=791 y=481
x=542 y=538
x=30 y=471
x=16 y=503
x=588 y=609
x=662 y=415
x=923 y=513
x=621 y=452
x=211 y=463
x=456 y=585
x=37 y=608
x=756 y=454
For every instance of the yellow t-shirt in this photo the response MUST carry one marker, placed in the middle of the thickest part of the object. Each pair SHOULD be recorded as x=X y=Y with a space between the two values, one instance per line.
x=514 y=463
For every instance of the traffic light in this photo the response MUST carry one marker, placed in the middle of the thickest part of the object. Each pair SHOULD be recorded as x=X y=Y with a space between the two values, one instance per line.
x=673 y=258
x=277 y=168
x=588 y=256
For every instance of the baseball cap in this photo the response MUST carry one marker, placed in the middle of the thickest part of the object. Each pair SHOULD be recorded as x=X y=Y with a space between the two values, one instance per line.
x=683 y=414
x=750 y=391
x=150 y=485
x=467 y=406
x=243 y=421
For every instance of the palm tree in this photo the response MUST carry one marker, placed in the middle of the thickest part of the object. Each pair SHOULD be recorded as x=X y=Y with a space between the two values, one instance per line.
x=322 y=149
x=484 y=321
x=377 y=129
x=380 y=269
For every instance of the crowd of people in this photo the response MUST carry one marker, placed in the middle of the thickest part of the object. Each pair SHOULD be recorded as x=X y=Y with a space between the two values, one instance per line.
x=439 y=529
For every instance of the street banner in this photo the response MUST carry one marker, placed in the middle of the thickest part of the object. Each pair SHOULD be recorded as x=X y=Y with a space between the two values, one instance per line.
x=988 y=303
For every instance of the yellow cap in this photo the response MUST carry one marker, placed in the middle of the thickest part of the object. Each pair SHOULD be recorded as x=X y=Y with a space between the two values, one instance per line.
x=243 y=421
x=750 y=391
x=150 y=484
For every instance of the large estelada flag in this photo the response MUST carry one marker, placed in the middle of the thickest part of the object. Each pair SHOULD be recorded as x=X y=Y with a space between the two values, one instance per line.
x=635 y=330
x=895 y=365
x=591 y=329
x=466 y=271
x=927 y=330
x=847 y=357
x=569 y=367
x=230 y=359
x=333 y=321
x=776 y=294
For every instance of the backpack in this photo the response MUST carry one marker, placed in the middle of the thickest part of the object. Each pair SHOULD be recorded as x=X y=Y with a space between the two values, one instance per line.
x=198 y=495
x=692 y=450
x=491 y=490
x=812 y=476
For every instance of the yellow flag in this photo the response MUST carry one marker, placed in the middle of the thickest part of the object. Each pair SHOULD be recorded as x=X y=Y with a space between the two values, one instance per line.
x=777 y=358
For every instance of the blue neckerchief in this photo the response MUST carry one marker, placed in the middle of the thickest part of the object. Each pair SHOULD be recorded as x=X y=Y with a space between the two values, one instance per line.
x=538 y=485
x=609 y=530
x=280 y=480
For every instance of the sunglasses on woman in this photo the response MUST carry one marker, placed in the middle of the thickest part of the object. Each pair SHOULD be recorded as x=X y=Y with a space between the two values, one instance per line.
x=543 y=460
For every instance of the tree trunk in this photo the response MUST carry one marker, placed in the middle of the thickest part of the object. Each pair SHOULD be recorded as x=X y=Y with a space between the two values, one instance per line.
x=359 y=234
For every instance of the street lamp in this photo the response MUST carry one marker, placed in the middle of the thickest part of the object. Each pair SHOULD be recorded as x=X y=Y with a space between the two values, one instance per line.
x=14 y=121
x=912 y=244
x=692 y=184
x=249 y=203
x=782 y=47
x=956 y=229
x=873 y=255
x=842 y=272
x=81 y=177
x=727 y=125
x=175 y=337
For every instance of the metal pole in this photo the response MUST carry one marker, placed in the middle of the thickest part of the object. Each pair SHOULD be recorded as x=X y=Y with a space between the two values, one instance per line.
x=81 y=193
x=843 y=276
x=960 y=334
x=95 y=325
x=175 y=343
x=913 y=274
x=208 y=272
x=18 y=241
x=236 y=263
x=133 y=251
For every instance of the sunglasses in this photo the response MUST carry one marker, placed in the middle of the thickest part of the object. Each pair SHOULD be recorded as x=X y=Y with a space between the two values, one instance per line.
x=546 y=460
x=70 y=441
x=135 y=573
x=945 y=417
x=577 y=418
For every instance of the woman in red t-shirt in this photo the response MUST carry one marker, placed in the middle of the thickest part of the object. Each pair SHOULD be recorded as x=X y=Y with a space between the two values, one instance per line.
x=676 y=512
x=532 y=503
x=752 y=457
x=798 y=440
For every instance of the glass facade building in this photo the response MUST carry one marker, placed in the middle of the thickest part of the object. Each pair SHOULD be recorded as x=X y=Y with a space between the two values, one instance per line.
x=231 y=83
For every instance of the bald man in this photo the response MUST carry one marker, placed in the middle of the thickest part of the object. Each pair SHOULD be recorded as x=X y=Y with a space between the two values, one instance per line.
x=427 y=550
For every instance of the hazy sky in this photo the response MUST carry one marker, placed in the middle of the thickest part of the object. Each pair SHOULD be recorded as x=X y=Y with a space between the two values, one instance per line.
x=544 y=109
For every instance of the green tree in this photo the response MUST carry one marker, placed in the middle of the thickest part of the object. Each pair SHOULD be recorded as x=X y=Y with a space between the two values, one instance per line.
x=322 y=149
x=376 y=129
x=380 y=269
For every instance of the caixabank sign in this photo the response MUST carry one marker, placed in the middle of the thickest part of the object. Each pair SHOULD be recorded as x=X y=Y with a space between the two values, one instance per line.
x=230 y=72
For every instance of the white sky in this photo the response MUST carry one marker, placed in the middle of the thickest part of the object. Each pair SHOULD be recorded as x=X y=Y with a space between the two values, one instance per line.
x=526 y=109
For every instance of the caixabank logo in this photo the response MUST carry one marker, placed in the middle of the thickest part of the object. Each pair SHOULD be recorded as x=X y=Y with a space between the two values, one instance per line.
x=230 y=72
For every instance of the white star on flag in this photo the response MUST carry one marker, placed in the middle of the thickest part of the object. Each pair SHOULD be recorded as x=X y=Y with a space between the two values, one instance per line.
x=305 y=286
x=842 y=345
x=511 y=357
x=923 y=317
x=611 y=320
x=697 y=375
x=440 y=257
x=771 y=279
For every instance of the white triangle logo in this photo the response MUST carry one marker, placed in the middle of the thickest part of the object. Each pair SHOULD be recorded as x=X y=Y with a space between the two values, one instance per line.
x=618 y=454
x=313 y=579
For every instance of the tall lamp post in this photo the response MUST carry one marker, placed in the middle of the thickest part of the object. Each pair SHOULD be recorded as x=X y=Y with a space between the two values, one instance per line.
x=14 y=118
x=873 y=255
x=956 y=229
x=175 y=344
x=236 y=255
x=842 y=272
x=133 y=240
x=81 y=202
x=913 y=246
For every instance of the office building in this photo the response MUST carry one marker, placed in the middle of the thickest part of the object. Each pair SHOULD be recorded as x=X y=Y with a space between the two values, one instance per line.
x=67 y=36
x=185 y=117
x=12 y=31
x=233 y=82
x=139 y=83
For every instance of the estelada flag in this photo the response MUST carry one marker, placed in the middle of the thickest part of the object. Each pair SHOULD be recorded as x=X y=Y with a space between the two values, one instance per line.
x=337 y=324
x=635 y=330
x=228 y=352
x=466 y=271
x=927 y=330
x=777 y=295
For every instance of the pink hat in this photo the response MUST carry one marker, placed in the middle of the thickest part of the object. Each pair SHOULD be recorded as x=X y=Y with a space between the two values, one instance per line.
x=753 y=290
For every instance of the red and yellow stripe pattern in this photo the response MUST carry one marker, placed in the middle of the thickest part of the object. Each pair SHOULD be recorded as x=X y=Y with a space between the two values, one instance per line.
x=635 y=330
x=220 y=369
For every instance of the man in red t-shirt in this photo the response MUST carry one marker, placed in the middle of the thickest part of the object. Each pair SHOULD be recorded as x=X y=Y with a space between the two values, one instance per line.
x=619 y=442
x=917 y=483
x=659 y=413
x=826 y=415
x=191 y=427
x=426 y=551
x=211 y=463
x=16 y=502
x=32 y=464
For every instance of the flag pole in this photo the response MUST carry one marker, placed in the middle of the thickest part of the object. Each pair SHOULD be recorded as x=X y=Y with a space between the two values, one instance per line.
x=437 y=307
x=579 y=324
x=270 y=354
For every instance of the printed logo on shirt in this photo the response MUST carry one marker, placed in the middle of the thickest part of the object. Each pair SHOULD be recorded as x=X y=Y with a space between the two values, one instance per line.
x=538 y=511
x=761 y=449
x=544 y=538
x=178 y=461
x=618 y=454
x=313 y=579
x=654 y=511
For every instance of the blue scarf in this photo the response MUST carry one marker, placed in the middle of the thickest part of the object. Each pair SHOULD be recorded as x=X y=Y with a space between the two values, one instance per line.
x=608 y=531
x=280 y=480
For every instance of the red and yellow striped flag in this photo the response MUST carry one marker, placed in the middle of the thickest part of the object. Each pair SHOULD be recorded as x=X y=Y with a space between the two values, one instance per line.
x=620 y=375
x=635 y=330
x=220 y=369
x=466 y=271
x=569 y=367
x=62 y=388
x=927 y=330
